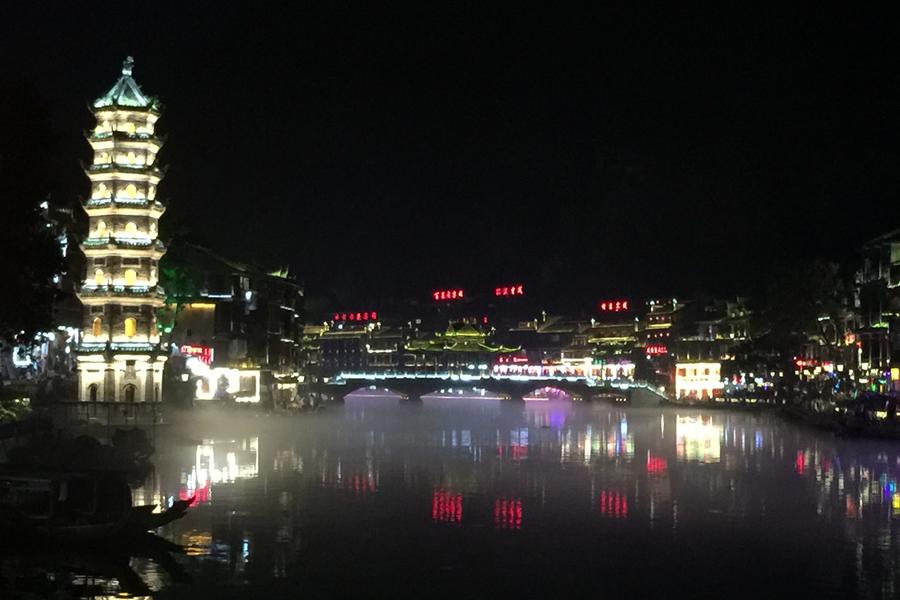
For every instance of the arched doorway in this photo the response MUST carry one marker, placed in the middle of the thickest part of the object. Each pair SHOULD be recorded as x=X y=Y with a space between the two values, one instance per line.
x=93 y=391
x=130 y=391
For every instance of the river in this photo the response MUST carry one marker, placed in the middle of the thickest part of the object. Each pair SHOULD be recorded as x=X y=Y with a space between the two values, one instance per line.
x=474 y=497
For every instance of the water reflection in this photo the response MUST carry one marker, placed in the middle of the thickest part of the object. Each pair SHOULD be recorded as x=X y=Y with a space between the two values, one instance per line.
x=488 y=490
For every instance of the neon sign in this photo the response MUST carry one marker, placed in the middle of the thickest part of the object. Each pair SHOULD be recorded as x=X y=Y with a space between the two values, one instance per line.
x=204 y=353
x=614 y=305
x=456 y=294
x=355 y=316
x=510 y=290
x=514 y=360
x=656 y=350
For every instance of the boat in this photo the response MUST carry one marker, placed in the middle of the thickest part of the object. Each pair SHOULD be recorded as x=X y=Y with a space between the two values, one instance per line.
x=74 y=506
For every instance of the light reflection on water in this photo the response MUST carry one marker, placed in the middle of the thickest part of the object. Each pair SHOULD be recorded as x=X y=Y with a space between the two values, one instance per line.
x=537 y=498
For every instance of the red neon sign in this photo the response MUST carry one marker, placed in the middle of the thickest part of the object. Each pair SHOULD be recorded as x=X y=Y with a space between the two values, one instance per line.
x=204 y=353
x=656 y=349
x=512 y=360
x=456 y=294
x=355 y=316
x=510 y=290
x=613 y=305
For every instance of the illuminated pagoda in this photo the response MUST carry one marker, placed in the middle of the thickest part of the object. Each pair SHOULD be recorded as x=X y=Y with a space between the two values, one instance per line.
x=120 y=358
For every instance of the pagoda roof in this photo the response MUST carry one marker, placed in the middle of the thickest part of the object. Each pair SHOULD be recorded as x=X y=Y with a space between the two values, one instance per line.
x=126 y=92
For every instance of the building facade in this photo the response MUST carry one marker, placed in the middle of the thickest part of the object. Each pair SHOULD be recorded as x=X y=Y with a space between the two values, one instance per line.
x=120 y=358
x=242 y=324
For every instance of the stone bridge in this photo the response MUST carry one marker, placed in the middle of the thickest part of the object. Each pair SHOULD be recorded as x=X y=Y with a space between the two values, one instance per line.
x=412 y=387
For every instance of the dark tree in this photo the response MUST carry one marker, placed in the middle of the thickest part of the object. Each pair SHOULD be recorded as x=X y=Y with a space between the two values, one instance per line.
x=29 y=254
x=802 y=302
x=178 y=280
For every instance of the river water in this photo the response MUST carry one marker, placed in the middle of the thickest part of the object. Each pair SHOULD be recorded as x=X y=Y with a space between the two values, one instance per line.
x=476 y=497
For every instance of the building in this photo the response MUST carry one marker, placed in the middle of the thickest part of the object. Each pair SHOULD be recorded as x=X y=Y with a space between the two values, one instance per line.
x=878 y=292
x=120 y=358
x=241 y=323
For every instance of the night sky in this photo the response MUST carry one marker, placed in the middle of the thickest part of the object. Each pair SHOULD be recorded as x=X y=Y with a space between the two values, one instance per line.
x=596 y=155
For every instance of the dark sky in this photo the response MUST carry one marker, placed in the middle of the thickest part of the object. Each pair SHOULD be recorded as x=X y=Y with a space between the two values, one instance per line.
x=605 y=154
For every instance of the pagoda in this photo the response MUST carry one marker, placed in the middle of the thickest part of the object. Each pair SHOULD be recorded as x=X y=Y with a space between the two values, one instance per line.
x=120 y=358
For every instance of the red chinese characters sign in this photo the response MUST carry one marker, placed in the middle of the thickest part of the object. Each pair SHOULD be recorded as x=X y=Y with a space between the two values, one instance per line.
x=510 y=290
x=656 y=349
x=204 y=353
x=440 y=295
x=368 y=315
x=613 y=305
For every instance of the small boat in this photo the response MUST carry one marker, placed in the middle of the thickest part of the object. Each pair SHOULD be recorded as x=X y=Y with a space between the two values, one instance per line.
x=74 y=506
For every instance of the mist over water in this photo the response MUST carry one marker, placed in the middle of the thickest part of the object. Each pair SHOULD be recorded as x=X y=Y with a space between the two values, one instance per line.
x=468 y=497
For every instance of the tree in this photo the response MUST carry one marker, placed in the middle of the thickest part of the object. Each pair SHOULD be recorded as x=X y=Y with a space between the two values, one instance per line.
x=802 y=302
x=29 y=253
x=178 y=281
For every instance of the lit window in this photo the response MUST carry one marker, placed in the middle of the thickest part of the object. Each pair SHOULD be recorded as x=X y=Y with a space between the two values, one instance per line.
x=99 y=278
x=130 y=327
x=130 y=228
x=97 y=327
x=130 y=277
x=101 y=228
x=130 y=189
x=132 y=159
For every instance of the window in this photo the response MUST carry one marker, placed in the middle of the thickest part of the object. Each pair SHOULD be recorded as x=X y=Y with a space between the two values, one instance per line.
x=130 y=392
x=130 y=228
x=97 y=327
x=248 y=384
x=130 y=277
x=102 y=190
x=130 y=189
x=99 y=278
x=92 y=392
x=130 y=327
x=101 y=228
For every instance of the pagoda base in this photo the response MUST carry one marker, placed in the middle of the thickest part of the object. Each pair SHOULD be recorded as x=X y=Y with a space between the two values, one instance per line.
x=121 y=377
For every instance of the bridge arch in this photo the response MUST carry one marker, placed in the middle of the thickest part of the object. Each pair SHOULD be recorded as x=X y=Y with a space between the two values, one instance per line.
x=372 y=391
x=552 y=392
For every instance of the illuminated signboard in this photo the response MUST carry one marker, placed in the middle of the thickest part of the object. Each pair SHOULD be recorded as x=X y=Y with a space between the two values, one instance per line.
x=657 y=349
x=355 y=316
x=510 y=290
x=456 y=294
x=204 y=353
x=512 y=360
x=613 y=305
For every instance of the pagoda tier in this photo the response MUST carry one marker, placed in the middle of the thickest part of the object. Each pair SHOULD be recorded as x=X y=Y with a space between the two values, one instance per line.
x=120 y=358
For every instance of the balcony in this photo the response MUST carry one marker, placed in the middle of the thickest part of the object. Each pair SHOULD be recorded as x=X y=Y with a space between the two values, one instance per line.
x=131 y=291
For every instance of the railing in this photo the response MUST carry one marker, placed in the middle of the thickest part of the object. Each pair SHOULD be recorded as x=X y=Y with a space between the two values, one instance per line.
x=121 y=290
x=123 y=134
x=123 y=241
